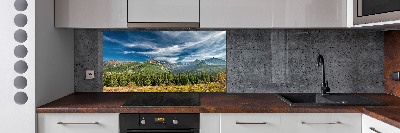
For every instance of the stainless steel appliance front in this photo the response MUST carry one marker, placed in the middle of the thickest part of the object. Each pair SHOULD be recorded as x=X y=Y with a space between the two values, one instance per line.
x=373 y=11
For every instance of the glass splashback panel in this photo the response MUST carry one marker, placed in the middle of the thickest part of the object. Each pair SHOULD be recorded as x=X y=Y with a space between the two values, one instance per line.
x=164 y=61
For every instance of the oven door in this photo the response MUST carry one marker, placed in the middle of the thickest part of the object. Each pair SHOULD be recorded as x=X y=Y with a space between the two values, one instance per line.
x=164 y=131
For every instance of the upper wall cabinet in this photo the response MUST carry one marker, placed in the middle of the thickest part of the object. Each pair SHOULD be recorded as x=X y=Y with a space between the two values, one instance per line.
x=273 y=13
x=90 y=13
x=236 y=13
x=309 y=13
x=143 y=11
x=163 y=13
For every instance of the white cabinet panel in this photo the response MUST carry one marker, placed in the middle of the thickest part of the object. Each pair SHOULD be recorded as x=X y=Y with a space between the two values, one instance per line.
x=250 y=123
x=209 y=122
x=236 y=13
x=163 y=10
x=309 y=13
x=321 y=123
x=372 y=125
x=108 y=123
x=91 y=13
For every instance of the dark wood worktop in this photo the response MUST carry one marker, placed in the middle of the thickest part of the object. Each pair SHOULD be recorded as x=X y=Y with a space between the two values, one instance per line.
x=219 y=103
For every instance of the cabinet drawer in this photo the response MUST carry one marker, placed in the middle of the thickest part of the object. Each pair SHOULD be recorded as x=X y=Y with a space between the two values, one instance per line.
x=330 y=123
x=250 y=123
x=372 y=125
x=78 y=123
x=322 y=123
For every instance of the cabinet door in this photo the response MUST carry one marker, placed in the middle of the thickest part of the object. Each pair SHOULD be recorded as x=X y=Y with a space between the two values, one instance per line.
x=163 y=11
x=310 y=13
x=321 y=123
x=250 y=123
x=372 y=125
x=236 y=13
x=90 y=13
x=78 y=123
x=209 y=122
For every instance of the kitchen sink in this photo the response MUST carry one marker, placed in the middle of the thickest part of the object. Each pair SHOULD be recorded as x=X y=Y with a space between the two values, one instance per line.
x=317 y=99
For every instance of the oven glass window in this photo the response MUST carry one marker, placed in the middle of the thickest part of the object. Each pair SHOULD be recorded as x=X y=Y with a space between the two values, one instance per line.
x=373 y=7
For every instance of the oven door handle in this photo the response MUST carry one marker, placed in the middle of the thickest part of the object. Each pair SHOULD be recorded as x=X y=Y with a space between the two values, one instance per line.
x=162 y=131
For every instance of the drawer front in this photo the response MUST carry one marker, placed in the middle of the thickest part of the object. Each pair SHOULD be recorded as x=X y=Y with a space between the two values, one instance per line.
x=330 y=123
x=250 y=123
x=372 y=125
x=321 y=123
x=163 y=10
x=78 y=123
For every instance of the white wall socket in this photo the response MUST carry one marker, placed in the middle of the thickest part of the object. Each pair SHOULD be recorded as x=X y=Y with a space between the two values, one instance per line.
x=89 y=74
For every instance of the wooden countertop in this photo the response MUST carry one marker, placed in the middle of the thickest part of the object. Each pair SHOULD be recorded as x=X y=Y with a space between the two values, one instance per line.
x=219 y=103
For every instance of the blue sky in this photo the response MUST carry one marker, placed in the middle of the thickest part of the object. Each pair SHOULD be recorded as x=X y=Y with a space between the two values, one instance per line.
x=171 y=46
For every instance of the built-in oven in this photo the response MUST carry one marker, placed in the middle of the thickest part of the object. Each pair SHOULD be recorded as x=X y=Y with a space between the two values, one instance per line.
x=159 y=123
x=374 y=11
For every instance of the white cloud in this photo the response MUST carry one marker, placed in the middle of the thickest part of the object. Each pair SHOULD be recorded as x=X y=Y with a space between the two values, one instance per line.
x=111 y=40
x=143 y=45
x=129 y=52
x=169 y=59
x=177 y=49
x=146 y=45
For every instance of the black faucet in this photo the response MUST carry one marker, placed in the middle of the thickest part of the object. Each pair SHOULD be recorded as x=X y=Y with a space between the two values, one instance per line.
x=324 y=85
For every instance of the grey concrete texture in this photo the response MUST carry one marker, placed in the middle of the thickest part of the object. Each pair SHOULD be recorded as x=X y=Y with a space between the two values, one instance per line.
x=273 y=60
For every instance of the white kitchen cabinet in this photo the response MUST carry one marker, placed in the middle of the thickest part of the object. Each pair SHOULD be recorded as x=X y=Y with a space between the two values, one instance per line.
x=163 y=11
x=287 y=123
x=273 y=13
x=236 y=13
x=309 y=13
x=90 y=13
x=372 y=125
x=209 y=122
x=78 y=123
x=321 y=123
x=250 y=123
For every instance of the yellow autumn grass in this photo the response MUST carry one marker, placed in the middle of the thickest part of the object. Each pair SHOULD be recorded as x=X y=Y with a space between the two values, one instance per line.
x=209 y=87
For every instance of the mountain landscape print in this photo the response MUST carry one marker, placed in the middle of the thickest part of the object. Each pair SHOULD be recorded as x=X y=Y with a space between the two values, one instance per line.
x=164 y=61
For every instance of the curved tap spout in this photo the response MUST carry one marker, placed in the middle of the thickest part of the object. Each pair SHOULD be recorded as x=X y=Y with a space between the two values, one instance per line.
x=324 y=84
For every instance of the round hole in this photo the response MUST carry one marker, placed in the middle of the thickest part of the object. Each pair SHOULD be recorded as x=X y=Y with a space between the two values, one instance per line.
x=20 y=98
x=20 y=67
x=20 y=36
x=20 y=20
x=20 y=5
x=20 y=82
x=20 y=51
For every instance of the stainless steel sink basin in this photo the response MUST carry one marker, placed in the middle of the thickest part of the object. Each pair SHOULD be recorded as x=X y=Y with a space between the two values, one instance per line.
x=316 y=99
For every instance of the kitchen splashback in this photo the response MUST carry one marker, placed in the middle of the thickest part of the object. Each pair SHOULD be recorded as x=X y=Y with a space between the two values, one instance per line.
x=265 y=60
x=164 y=61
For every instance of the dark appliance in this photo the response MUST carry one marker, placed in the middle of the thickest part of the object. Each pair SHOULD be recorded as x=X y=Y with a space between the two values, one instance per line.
x=372 y=11
x=159 y=123
x=162 y=99
x=373 y=7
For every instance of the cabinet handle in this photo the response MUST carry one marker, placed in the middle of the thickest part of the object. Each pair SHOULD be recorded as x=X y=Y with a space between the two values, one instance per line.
x=321 y=123
x=251 y=122
x=64 y=123
x=373 y=129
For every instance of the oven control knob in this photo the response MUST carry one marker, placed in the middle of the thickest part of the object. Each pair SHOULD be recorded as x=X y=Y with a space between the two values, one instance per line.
x=143 y=122
x=175 y=122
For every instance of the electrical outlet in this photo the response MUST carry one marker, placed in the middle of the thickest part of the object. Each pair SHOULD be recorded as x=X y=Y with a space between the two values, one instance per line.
x=89 y=74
